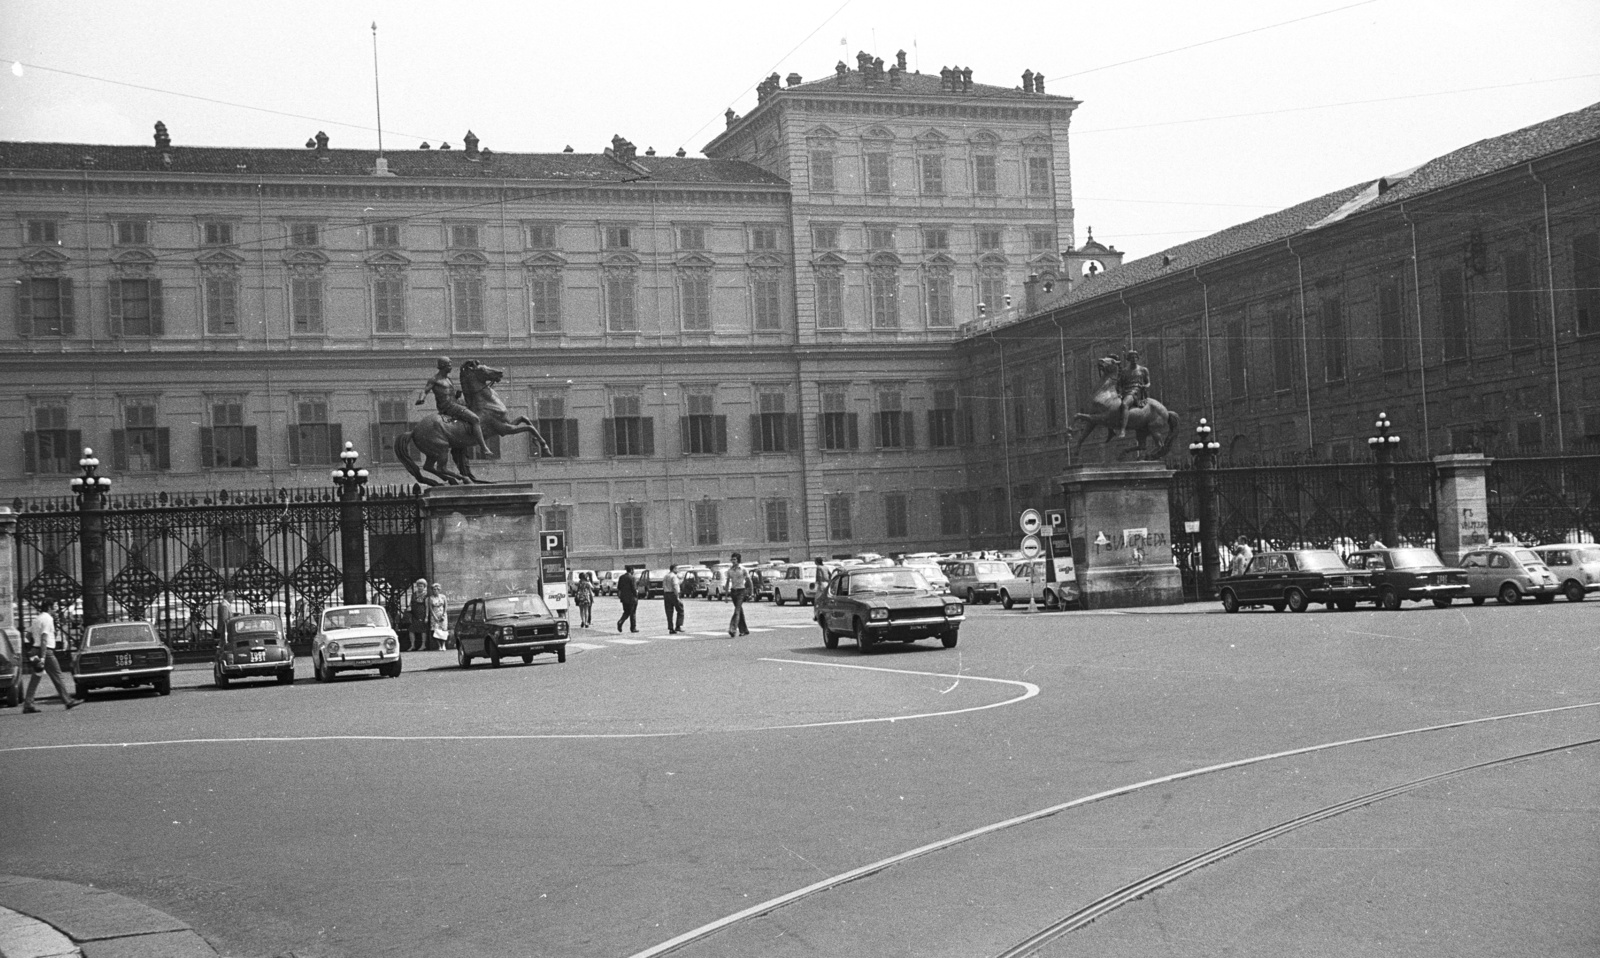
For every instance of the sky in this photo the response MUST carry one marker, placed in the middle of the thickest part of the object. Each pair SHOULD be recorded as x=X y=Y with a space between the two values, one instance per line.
x=1195 y=116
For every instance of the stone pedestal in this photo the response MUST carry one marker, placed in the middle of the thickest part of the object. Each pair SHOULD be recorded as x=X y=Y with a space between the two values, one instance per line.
x=483 y=539
x=1463 y=504
x=8 y=568
x=1120 y=528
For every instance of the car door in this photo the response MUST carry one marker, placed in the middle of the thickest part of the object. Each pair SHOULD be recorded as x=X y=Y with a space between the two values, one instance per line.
x=469 y=628
x=838 y=618
x=1477 y=566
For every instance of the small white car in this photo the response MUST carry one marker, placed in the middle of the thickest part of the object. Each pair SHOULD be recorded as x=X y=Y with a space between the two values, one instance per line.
x=354 y=638
x=1028 y=582
x=1577 y=565
x=795 y=582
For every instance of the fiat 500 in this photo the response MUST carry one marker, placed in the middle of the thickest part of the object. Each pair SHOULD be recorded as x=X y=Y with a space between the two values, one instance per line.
x=122 y=654
x=253 y=647
x=352 y=638
x=1506 y=574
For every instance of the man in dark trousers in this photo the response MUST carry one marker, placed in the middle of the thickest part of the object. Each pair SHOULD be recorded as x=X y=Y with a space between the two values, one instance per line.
x=672 y=603
x=628 y=592
x=42 y=659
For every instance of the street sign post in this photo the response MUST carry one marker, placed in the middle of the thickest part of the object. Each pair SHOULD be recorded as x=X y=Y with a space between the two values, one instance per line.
x=1031 y=521
x=1031 y=546
x=553 y=569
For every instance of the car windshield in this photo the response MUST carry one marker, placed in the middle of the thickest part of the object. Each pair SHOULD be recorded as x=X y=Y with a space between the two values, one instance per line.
x=131 y=633
x=254 y=624
x=515 y=605
x=1527 y=557
x=1319 y=561
x=992 y=568
x=368 y=618
x=887 y=580
x=1413 y=558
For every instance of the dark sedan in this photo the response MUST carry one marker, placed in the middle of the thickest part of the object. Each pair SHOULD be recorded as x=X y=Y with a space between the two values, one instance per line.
x=253 y=647
x=123 y=654
x=1410 y=575
x=1294 y=579
x=505 y=625
x=886 y=604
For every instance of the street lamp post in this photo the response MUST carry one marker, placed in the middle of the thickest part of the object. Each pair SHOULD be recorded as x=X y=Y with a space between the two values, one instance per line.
x=91 y=489
x=1204 y=449
x=1383 y=446
x=352 y=528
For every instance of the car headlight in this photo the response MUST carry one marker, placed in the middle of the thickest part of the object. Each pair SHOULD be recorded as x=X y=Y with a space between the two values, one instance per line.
x=332 y=648
x=507 y=633
x=391 y=645
x=561 y=627
x=952 y=608
x=878 y=614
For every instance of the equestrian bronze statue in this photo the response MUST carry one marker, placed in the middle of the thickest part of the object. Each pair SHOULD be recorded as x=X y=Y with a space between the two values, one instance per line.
x=1122 y=403
x=462 y=422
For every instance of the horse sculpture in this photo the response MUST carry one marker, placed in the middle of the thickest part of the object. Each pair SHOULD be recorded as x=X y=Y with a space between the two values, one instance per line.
x=1151 y=420
x=441 y=441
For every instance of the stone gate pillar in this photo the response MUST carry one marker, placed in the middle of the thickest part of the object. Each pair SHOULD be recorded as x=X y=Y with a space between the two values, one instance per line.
x=1463 y=504
x=1120 y=529
x=8 y=568
x=483 y=539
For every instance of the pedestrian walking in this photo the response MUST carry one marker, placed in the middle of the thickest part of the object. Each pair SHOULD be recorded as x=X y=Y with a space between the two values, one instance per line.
x=738 y=581
x=419 y=620
x=42 y=660
x=226 y=607
x=671 y=602
x=439 y=615
x=628 y=593
x=1242 y=554
x=583 y=594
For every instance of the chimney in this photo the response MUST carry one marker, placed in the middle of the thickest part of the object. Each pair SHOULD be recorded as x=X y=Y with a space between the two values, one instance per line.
x=900 y=60
x=945 y=73
x=650 y=152
x=864 y=62
x=841 y=73
x=792 y=79
x=322 y=143
x=424 y=146
x=894 y=77
x=966 y=79
x=622 y=149
x=731 y=116
x=163 y=141
x=1027 y=81
x=877 y=67
x=681 y=153
x=444 y=146
x=1030 y=293
x=1038 y=83
x=568 y=149
x=471 y=143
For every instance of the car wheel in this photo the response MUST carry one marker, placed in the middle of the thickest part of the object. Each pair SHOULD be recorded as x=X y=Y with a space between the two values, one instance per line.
x=9 y=698
x=1574 y=590
x=462 y=658
x=829 y=640
x=1230 y=602
x=1509 y=595
x=777 y=597
x=1297 y=600
x=393 y=671
x=217 y=676
x=972 y=596
x=493 y=653
x=561 y=654
x=527 y=658
x=949 y=638
x=863 y=638
x=1389 y=599
x=1347 y=605
x=1545 y=597
x=286 y=677
x=164 y=685
x=1443 y=603
x=1479 y=599
x=1005 y=598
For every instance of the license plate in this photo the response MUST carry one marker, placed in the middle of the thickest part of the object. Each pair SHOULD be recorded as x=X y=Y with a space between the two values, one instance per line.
x=123 y=661
x=258 y=655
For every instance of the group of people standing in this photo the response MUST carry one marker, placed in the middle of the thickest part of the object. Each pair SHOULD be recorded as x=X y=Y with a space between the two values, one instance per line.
x=427 y=616
x=671 y=599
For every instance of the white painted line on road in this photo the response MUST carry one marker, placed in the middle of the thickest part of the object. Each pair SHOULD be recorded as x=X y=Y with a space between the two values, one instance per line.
x=629 y=641
x=772 y=904
x=723 y=632
x=1029 y=691
x=585 y=646
x=760 y=629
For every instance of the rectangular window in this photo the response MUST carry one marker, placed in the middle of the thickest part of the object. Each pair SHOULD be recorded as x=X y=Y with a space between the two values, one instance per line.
x=1453 y=329
x=1039 y=176
x=1530 y=436
x=1391 y=326
x=1238 y=360
x=932 y=175
x=767 y=295
x=1019 y=414
x=466 y=303
x=984 y=178
x=988 y=239
x=892 y=430
x=825 y=237
x=464 y=236
x=228 y=443
x=1041 y=240
x=764 y=239
x=630 y=526
x=544 y=299
x=836 y=426
x=942 y=419
x=542 y=236
x=305 y=304
x=822 y=171
x=935 y=238
x=136 y=307
x=216 y=234
x=830 y=298
x=839 y=525
x=313 y=440
x=939 y=287
x=694 y=298
x=992 y=290
x=896 y=515
x=50 y=448
x=707 y=531
x=305 y=234
x=1586 y=282
x=44 y=307
x=771 y=427
x=1283 y=343
x=552 y=518
x=704 y=432
x=43 y=233
x=620 y=314
x=389 y=422
x=385 y=235
x=950 y=513
x=1333 y=341
x=1522 y=301
x=883 y=291
x=389 y=304
x=222 y=305
x=628 y=433
x=549 y=413
x=880 y=238
x=877 y=172
x=140 y=445
x=619 y=237
x=132 y=233
x=691 y=237
x=775 y=512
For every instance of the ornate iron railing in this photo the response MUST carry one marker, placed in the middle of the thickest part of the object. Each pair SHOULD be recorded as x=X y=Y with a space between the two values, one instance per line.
x=1545 y=499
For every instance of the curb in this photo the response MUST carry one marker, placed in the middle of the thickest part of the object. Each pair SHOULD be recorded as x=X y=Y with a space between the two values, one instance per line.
x=38 y=917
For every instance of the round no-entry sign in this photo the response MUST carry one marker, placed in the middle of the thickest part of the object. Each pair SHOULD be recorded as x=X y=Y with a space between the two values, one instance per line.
x=1031 y=546
x=1031 y=522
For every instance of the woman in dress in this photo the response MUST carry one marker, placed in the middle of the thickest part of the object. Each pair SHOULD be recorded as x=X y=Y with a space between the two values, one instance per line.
x=439 y=615
x=583 y=594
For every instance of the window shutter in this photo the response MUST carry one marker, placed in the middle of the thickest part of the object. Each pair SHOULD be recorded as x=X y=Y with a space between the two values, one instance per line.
x=119 y=450
x=572 y=439
x=931 y=414
x=877 y=429
x=208 y=454
x=855 y=432
x=791 y=432
x=156 y=326
x=647 y=428
x=336 y=443
x=909 y=424
x=722 y=434
x=683 y=435
x=163 y=448
x=114 y=298
x=30 y=451
x=67 y=310
x=25 y=310
x=250 y=446
x=375 y=438
x=294 y=445
x=608 y=432
x=755 y=433
x=74 y=444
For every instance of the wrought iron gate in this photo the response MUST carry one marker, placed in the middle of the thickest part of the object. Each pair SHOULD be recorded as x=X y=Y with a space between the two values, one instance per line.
x=1547 y=499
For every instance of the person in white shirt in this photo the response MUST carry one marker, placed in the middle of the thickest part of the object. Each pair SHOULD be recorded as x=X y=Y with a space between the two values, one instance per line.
x=672 y=602
x=42 y=659
x=738 y=579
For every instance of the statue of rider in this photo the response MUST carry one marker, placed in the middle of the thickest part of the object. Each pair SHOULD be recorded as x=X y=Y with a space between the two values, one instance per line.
x=1133 y=384
x=446 y=398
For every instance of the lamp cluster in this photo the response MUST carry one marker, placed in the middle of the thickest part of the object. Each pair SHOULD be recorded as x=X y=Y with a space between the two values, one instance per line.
x=91 y=482
x=1204 y=440
x=347 y=477
x=1384 y=438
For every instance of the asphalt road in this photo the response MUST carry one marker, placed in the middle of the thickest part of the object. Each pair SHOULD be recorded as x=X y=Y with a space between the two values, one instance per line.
x=648 y=788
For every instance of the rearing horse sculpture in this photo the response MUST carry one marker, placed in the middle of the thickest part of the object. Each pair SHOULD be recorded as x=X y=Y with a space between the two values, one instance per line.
x=441 y=441
x=1151 y=420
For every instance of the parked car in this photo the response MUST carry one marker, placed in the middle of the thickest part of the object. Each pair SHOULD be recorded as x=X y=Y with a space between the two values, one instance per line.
x=762 y=585
x=11 y=673
x=1027 y=583
x=885 y=604
x=1295 y=579
x=716 y=587
x=352 y=638
x=1409 y=574
x=693 y=581
x=254 y=647
x=977 y=580
x=121 y=654
x=1576 y=565
x=504 y=625
x=650 y=583
x=797 y=583
x=930 y=570
x=607 y=584
x=1507 y=573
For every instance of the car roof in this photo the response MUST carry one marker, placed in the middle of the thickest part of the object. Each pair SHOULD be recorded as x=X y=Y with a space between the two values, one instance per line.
x=363 y=605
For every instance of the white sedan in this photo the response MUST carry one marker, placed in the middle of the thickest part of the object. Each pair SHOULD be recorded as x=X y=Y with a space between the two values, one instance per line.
x=1028 y=581
x=353 y=638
